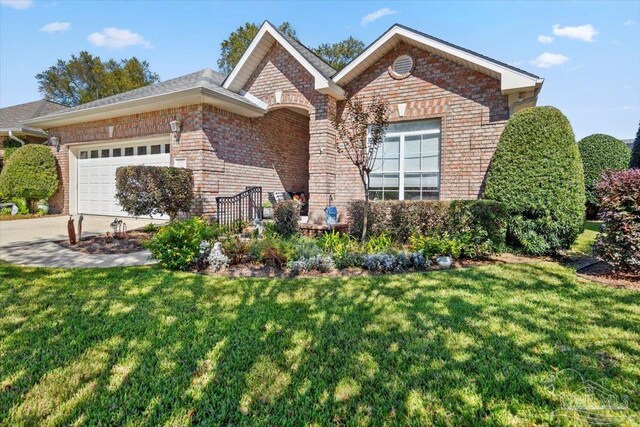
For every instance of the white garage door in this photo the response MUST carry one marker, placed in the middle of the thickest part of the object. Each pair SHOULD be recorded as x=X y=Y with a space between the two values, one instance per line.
x=97 y=173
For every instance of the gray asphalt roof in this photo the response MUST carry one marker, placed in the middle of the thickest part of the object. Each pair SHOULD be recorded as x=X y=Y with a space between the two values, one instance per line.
x=207 y=79
x=318 y=63
x=12 y=117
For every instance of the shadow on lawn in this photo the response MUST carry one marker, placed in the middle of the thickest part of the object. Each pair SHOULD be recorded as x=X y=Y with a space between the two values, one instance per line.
x=458 y=347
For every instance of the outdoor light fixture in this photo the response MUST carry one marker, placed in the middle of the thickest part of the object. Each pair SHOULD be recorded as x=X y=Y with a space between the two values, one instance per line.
x=175 y=126
x=54 y=141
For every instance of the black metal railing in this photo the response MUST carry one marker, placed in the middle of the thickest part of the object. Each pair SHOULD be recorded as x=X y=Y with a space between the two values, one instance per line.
x=233 y=211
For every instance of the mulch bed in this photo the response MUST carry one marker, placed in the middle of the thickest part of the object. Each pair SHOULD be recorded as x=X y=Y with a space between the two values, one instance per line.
x=602 y=272
x=104 y=244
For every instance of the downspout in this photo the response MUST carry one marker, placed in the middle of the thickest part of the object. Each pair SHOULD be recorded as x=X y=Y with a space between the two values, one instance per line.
x=15 y=138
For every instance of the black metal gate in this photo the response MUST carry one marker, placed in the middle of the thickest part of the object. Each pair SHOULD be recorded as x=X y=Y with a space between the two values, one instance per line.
x=233 y=211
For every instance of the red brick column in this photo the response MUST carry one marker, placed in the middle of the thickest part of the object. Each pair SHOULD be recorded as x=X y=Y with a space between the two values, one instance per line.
x=322 y=156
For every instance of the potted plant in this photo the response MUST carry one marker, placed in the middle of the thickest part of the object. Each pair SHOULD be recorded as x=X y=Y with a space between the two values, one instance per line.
x=267 y=210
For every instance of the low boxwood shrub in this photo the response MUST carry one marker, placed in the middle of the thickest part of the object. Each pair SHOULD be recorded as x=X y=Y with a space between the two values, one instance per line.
x=619 y=199
x=537 y=173
x=600 y=152
x=177 y=245
x=286 y=218
x=154 y=190
x=30 y=173
x=9 y=146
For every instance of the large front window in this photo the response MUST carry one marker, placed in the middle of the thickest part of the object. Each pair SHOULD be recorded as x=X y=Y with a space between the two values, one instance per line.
x=407 y=166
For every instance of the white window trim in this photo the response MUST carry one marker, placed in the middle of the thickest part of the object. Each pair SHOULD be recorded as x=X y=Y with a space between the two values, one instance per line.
x=401 y=172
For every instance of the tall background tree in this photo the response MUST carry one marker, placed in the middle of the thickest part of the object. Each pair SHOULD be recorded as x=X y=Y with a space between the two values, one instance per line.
x=360 y=130
x=335 y=54
x=338 y=55
x=233 y=48
x=84 y=78
x=635 y=152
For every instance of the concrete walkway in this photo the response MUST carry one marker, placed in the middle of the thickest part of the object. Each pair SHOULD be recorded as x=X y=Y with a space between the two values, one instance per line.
x=31 y=242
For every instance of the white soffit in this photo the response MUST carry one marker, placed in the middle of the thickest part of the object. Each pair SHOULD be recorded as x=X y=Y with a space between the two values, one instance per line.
x=257 y=50
x=511 y=80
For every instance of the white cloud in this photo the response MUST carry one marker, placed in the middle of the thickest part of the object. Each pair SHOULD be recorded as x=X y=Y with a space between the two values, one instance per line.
x=17 y=4
x=586 y=33
x=55 y=27
x=374 y=16
x=117 y=38
x=545 y=39
x=629 y=22
x=548 y=60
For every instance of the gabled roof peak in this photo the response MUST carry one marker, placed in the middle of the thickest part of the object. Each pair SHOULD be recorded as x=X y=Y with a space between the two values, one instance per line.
x=512 y=79
x=259 y=47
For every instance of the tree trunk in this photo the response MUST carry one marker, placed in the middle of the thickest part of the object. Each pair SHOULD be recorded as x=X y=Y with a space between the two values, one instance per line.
x=365 y=218
x=32 y=204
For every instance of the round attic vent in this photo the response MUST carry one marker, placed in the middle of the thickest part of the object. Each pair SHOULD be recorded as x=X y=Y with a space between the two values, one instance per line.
x=402 y=66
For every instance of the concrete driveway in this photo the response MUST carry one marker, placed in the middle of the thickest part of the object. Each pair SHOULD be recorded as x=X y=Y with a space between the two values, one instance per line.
x=52 y=228
x=30 y=242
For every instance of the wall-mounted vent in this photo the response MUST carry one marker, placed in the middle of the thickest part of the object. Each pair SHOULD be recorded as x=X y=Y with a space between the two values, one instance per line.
x=403 y=65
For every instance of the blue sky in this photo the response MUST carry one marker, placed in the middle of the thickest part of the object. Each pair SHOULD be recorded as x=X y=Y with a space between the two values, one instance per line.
x=588 y=52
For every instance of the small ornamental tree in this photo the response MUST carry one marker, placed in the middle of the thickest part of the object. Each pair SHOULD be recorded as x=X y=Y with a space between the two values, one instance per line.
x=619 y=198
x=154 y=190
x=635 y=152
x=30 y=173
x=360 y=132
x=537 y=173
x=600 y=152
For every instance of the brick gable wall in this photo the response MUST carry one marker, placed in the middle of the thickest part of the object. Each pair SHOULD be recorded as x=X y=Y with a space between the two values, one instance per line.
x=470 y=105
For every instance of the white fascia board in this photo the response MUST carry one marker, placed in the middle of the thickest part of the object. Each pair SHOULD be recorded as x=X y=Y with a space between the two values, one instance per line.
x=149 y=103
x=322 y=84
x=510 y=80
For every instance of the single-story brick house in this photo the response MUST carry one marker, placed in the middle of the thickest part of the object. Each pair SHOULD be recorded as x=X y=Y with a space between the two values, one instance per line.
x=269 y=124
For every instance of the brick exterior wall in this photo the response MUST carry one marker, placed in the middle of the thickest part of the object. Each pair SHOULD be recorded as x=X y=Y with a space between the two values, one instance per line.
x=292 y=147
x=225 y=151
x=470 y=105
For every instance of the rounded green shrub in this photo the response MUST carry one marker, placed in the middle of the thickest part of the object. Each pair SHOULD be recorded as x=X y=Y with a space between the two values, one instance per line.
x=600 y=152
x=537 y=173
x=30 y=173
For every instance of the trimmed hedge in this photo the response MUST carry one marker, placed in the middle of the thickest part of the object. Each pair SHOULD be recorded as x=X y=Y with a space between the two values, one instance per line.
x=154 y=190
x=479 y=225
x=619 y=198
x=30 y=173
x=399 y=219
x=600 y=152
x=537 y=173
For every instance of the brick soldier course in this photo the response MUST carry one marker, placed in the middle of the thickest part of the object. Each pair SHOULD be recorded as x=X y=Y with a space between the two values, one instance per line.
x=290 y=144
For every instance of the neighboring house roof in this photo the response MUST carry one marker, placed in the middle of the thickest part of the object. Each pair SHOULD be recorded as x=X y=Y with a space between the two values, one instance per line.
x=13 y=118
x=512 y=79
x=629 y=142
x=259 y=47
x=201 y=86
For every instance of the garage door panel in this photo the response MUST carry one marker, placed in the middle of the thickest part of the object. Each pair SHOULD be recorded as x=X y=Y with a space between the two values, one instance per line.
x=96 y=180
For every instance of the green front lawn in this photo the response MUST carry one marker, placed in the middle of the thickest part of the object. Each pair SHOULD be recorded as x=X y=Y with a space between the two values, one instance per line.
x=501 y=344
x=583 y=245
